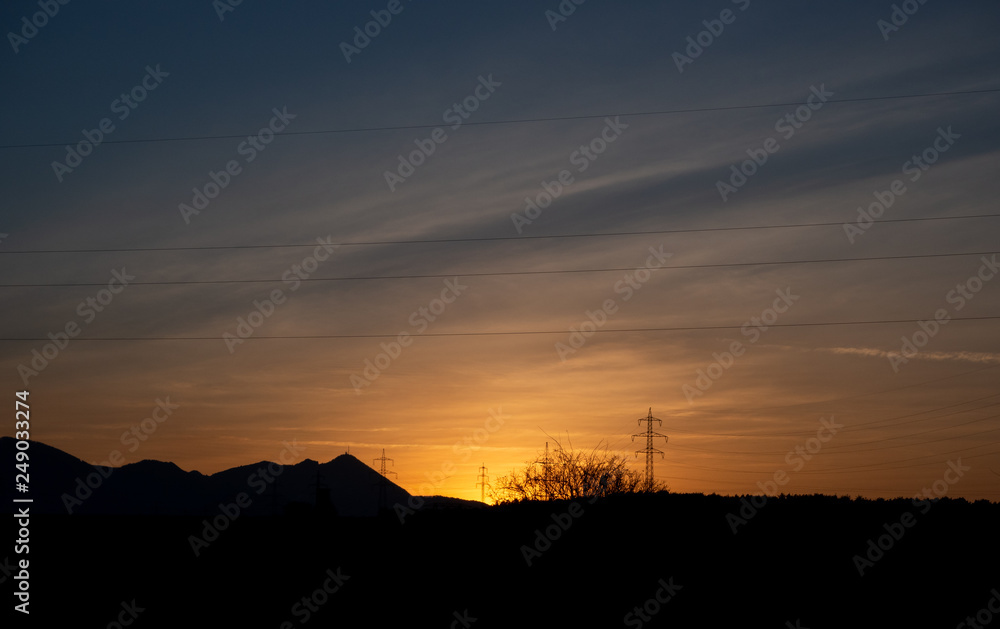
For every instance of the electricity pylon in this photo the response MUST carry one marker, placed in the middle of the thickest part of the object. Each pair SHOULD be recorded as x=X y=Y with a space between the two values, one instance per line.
x=382 y=481
x=482 y=480
x=546 y=464
x=382 y=459
x=650 y=450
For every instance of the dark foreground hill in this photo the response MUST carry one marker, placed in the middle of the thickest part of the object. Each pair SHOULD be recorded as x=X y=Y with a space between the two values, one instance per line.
x=64 y=484
x=661 y=560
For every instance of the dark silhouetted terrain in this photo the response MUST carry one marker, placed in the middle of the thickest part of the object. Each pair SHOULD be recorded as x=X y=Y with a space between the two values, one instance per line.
x=792 y=561
x=62 y=483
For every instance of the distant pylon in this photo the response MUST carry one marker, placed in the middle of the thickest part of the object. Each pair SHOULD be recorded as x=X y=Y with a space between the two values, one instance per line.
x=482 y=480
x=382 y=481
x=545 y=469
x=650 y=450
x=382 y=460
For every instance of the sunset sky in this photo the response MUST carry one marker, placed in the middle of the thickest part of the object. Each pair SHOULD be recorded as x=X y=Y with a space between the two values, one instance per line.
x=412 y=153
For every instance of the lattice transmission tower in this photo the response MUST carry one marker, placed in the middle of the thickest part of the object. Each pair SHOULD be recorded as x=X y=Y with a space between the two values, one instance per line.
x=382 y=481
x=650 y=450
x=482 y=481
x=546 y=466
x=381 y=468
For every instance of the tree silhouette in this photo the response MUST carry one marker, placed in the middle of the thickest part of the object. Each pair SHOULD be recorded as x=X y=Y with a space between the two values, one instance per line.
x=568 y=474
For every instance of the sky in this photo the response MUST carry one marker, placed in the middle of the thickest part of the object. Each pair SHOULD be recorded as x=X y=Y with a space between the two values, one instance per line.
x=456 y=231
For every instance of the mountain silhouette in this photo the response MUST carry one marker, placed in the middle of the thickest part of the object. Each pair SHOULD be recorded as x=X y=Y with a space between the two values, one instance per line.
x=62 y=483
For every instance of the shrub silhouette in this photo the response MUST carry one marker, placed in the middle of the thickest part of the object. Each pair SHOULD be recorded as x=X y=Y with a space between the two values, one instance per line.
x=568 y=474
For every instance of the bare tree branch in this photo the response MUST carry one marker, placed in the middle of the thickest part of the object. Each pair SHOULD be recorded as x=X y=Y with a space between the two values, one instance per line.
x=569 y=474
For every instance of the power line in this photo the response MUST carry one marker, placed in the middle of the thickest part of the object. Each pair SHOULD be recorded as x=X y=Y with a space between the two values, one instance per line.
x=661 y=112
x=839 y=449
x=504 y=333
x=850 y=397
x=493 y=238
x=911 y=421
x=936 y=460
x=923 y=443
x=685 y=446
x=806 y=491
x=922 y=383
x=847 y=429
x=513 y=273
x=866 y=467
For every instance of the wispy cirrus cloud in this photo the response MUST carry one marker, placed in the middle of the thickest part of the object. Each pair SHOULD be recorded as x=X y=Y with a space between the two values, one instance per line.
x=871 y=352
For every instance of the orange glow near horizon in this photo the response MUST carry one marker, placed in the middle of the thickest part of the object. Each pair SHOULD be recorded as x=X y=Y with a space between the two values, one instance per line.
x=605 y=233
x=727 y=447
